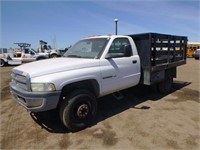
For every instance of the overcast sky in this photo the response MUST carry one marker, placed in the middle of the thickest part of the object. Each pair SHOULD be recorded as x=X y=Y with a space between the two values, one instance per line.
x=61 y=23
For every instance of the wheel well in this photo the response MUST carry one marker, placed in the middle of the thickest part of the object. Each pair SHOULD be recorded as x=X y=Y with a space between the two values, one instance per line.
x=91 y=85
x=53 y=54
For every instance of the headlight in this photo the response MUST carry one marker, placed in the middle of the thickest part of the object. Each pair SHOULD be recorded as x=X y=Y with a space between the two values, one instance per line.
x=42 y=87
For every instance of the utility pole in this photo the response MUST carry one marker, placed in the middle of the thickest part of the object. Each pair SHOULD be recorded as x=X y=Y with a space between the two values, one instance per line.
x=115 y=20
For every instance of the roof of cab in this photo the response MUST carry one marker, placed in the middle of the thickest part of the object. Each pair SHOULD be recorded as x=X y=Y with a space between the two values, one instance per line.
x=104 y=36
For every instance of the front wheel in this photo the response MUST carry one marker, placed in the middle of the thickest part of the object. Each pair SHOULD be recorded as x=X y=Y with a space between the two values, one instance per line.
x=78 y=110
x=53 y=55
x=2 y=63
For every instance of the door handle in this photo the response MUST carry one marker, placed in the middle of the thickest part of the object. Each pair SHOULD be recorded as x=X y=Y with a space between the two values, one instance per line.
x=134 y=61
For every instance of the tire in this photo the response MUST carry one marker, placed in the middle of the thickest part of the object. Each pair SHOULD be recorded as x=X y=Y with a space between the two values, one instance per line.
x=54 y=55
x=78 y=110
x=2 y=63
x=164 y=87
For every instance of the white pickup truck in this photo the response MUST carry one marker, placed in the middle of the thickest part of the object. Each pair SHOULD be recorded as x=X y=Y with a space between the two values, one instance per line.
x=29 y=54
x=6 y=58
x=94 y=67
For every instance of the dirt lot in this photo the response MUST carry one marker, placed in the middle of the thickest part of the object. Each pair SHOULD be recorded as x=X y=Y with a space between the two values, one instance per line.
x=142 y=120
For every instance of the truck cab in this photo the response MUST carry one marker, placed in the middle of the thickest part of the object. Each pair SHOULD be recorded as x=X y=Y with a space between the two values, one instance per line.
x=44 y=48
x=30 y=54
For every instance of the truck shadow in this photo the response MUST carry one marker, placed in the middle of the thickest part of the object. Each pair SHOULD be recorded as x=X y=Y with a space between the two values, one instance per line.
x=108 y=106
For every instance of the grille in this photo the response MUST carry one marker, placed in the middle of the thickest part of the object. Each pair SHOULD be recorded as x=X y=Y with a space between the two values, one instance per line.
x=20 y=81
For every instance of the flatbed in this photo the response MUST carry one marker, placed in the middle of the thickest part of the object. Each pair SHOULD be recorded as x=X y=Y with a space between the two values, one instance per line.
x=159 y=53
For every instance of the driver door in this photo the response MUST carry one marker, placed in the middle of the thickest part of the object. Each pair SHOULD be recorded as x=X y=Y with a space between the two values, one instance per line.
x=121 y=72
x=28 y=55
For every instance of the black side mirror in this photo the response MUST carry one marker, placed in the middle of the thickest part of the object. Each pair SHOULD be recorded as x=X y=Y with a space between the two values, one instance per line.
x=128 y=51
x=114 y=55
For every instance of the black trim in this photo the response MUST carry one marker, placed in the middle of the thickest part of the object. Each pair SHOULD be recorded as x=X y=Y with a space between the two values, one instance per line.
x=107 y=77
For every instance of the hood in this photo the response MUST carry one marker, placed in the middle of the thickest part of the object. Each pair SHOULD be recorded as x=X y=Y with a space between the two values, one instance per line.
x=49 y=66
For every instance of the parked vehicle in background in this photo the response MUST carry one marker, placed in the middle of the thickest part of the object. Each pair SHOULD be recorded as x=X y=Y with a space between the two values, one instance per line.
x=29 y=54
x=62 y=51
x=196 y=54
x=44 y=48
x=192 y=47
x=6 y=58
x=95 y=67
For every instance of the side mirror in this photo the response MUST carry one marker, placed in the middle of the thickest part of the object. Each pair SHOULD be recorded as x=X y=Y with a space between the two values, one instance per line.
x=128 y=51
x=114 y=55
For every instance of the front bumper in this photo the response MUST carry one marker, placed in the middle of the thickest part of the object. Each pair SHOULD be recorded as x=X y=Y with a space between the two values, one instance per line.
x=35 y=101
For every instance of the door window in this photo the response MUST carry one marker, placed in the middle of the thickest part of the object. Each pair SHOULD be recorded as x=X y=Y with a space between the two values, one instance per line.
x=32 y=53
x=118 y=45
x=26 y=51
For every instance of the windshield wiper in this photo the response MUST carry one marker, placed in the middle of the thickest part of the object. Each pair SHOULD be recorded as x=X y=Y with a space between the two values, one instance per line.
x=75 y=56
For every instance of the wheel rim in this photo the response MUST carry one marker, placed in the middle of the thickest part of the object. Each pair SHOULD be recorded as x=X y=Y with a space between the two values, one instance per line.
x=82 y=111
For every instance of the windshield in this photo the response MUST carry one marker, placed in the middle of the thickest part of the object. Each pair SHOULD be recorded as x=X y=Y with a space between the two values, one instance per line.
x=88 y=48
x=34 y=50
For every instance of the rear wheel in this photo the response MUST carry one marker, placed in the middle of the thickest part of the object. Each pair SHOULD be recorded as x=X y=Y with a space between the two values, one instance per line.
x=78 y=109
